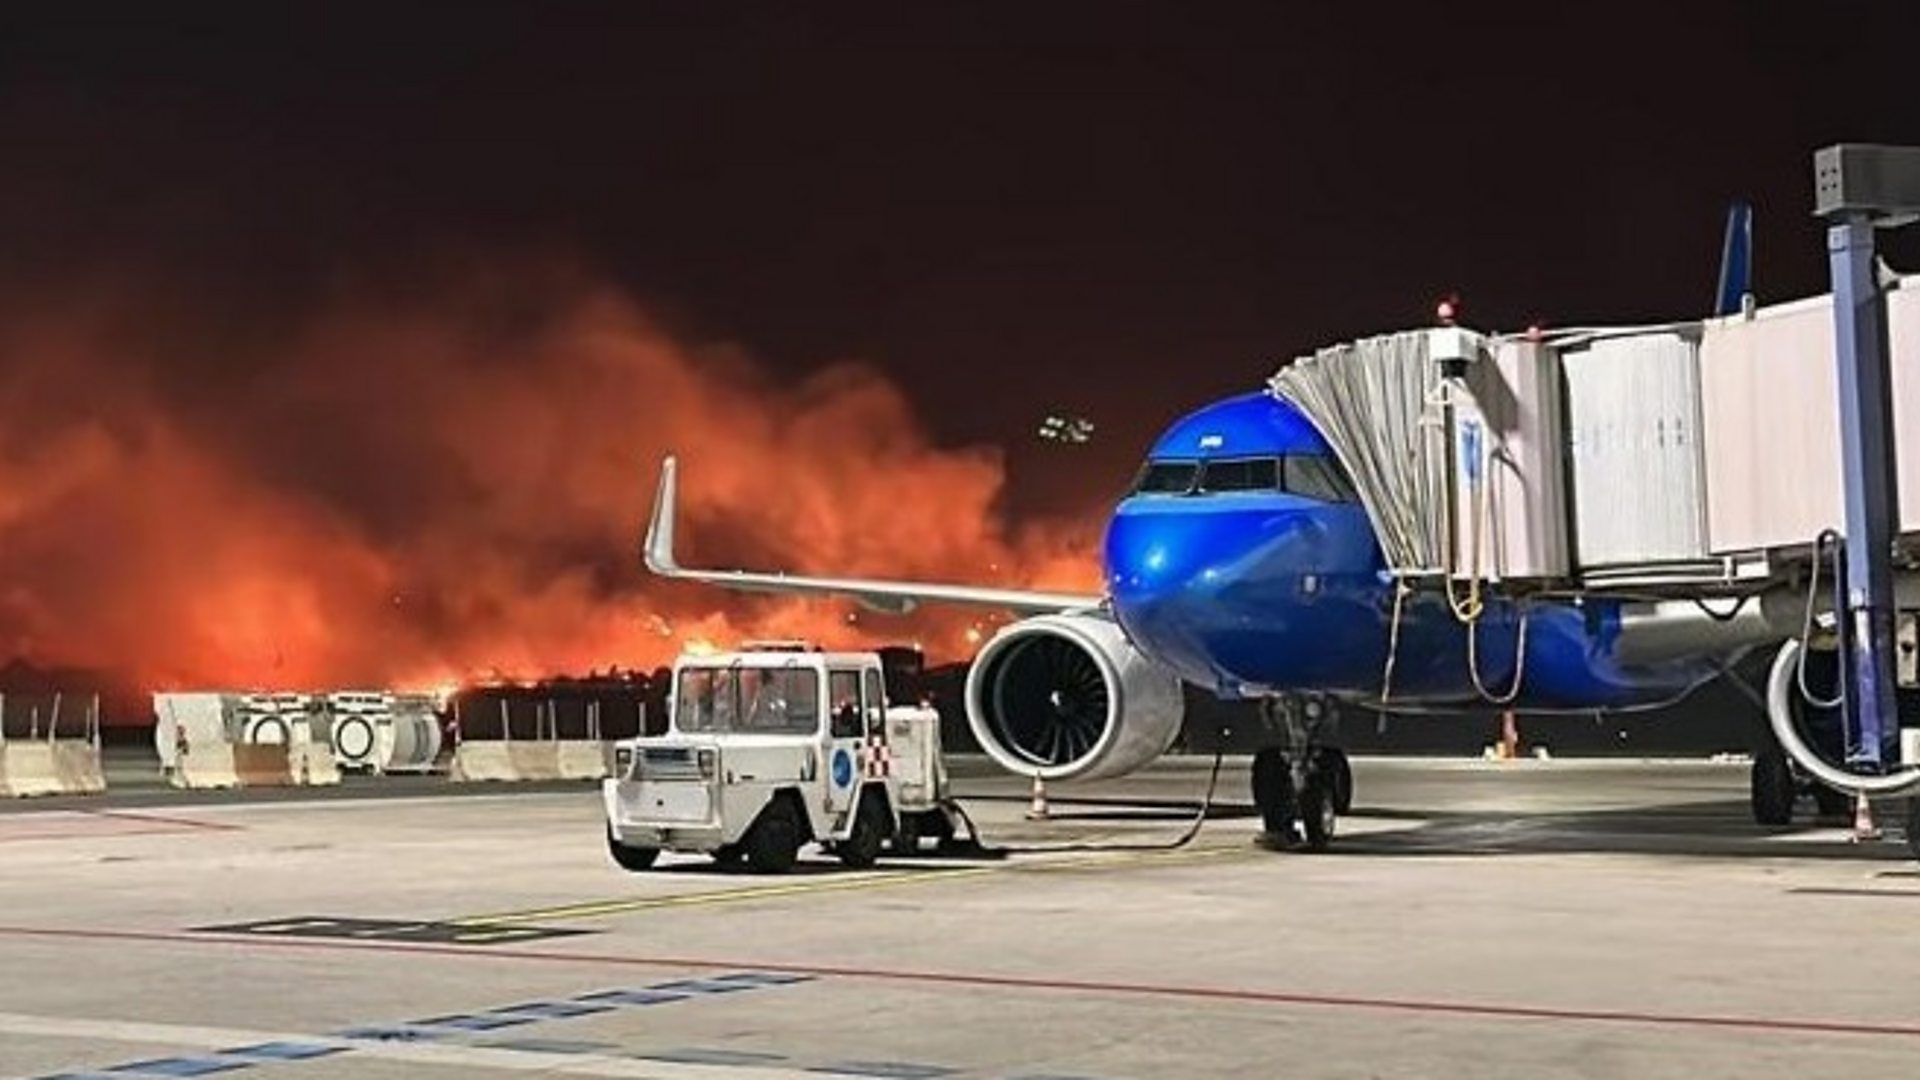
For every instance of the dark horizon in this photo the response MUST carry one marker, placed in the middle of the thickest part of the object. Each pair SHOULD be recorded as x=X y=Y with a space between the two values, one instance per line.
x=1119 y=211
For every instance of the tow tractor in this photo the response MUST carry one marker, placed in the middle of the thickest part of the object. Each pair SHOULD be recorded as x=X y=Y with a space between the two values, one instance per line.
x=773 y=747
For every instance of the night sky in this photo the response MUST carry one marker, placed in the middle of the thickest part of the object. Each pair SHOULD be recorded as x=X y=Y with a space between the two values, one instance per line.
x=1116 y=210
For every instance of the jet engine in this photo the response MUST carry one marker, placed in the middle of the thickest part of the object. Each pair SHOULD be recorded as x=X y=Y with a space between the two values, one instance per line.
x=1068 y=696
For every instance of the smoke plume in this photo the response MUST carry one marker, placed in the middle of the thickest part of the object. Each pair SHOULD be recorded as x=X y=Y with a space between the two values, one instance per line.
x=450 y=483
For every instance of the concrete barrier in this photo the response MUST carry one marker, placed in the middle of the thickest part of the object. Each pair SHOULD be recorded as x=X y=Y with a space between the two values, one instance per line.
x=312 y=764
x=224 y=765
x=206 y=764
x=47 y=764
x=514 y=761
x=487 y=760
x=580 y=759
x=36 y=767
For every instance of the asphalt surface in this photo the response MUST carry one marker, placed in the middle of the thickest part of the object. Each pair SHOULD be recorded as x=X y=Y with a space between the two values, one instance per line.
x=1589 y=919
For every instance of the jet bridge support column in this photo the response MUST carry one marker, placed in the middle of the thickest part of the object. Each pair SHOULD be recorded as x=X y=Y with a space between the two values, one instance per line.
x=1858 y=189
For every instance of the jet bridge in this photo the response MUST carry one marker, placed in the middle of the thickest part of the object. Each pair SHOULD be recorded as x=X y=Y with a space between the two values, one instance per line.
x=1685 y=459
x=1719 y=459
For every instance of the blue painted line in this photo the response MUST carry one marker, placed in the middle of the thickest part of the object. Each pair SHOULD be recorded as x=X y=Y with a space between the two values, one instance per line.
x=547 y=1046
x=285 y=1051
x=181 y=1066
x=632 y=997
x=763 y=978
x=701 y=1056
x=553 y=1010
x=888 y=1070
x=390 y=1034
x=464 y=1022
x=702 y=986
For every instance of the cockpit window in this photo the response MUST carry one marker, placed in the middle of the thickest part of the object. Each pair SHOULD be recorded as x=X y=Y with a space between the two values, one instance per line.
x=1317 y=477
x=1311 y=476
x=1241 y=474
x=1167 y=478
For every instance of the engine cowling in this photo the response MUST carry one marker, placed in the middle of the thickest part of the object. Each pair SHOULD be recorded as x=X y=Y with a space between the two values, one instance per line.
x=1068 y=696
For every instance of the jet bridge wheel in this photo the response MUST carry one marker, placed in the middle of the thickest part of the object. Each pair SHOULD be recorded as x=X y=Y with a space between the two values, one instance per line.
x=1830 y=803
x=1773 y=787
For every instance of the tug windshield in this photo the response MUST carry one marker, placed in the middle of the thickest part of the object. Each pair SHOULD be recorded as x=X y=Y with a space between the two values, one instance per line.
x=747 y=700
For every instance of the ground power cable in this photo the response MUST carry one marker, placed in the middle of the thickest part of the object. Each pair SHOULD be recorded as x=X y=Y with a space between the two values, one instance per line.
x=1202 y=811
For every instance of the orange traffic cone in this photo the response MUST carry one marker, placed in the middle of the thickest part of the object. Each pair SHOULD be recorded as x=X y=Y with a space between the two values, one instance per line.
x=1863 y=827
x=1037 y=808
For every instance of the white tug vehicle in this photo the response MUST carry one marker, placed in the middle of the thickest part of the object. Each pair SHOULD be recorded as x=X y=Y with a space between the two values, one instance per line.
x=773 y=747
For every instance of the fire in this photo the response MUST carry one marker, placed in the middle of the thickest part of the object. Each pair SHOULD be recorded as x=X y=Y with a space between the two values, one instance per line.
x=421 y=493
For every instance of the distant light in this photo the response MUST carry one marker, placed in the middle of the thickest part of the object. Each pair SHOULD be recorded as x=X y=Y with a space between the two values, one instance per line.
x=973 y=635
x=1066 y=428
x=1447 y=310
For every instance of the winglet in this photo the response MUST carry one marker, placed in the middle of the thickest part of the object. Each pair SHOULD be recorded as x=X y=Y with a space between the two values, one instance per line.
x=890 y=596
x=658 y=551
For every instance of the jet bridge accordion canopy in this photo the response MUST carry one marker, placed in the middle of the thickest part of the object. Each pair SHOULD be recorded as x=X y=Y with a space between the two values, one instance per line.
x=1680 y=449
x=1367 y=398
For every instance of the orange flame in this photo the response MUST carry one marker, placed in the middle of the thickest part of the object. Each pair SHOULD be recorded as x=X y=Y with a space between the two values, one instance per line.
x=414 y=495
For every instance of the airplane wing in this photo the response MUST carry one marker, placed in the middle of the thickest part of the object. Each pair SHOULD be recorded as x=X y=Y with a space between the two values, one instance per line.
x=894 y=597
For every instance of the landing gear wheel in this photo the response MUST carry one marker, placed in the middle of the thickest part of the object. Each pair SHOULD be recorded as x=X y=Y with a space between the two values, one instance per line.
x=1913 y=827
x=870 y=828
x=728 y=855
x=774 y=841
x=1318 y=814
x=631 y=858
x=1333 y=762
x=1773 y=787
x=1833 y=805
x=1273 y=794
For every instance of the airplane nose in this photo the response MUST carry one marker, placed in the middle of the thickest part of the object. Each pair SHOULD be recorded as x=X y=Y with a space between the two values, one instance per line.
x=1147 y=560
x=1244 y=592
x=1165 y=571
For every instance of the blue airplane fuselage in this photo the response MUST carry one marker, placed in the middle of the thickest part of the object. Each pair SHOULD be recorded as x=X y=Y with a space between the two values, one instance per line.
x=1249 y=586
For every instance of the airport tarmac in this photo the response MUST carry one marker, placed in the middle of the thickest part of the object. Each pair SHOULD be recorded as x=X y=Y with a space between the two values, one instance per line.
x=1523 y=920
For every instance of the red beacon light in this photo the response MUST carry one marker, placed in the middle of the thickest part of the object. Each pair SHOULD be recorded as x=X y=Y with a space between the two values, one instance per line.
x=1448 y=309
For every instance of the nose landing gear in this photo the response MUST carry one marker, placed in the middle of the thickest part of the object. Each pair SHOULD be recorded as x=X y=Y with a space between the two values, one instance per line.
x=1301 y=786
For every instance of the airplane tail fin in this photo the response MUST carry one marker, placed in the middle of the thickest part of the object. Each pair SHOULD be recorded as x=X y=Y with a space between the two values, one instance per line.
x=1736 y=261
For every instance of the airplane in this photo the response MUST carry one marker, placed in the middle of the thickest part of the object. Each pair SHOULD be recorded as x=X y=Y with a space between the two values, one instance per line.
x=1243 y=561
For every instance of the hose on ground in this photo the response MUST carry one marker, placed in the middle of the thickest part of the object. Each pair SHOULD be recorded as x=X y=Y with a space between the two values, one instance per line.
x=1187 y=835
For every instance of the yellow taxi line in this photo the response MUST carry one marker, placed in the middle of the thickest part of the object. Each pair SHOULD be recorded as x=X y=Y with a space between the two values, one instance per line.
x=594 y=909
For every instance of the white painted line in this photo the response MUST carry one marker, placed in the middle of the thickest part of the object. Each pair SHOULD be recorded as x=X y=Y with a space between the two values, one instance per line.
x=205 y=1039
